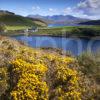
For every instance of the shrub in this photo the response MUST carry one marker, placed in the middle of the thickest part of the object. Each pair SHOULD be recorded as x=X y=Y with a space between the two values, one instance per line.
x=89 y=31
x=90 y=66
x=90 y=63
x=2 y=28
x=65 y=80
x=3 y=80
x=76 y=31
x=29 y=81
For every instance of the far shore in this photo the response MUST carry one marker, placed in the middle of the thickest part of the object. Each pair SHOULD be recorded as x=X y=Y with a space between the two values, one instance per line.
x=45 y=35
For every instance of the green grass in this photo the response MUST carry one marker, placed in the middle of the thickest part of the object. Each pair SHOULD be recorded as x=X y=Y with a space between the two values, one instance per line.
x=70 y=30
x=12 y=28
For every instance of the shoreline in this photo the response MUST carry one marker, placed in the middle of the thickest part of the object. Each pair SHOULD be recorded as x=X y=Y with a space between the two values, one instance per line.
x=48 y=35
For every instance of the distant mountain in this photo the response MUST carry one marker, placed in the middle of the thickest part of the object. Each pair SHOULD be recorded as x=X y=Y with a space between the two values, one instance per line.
x=91 y=22
x=43 y=18
x=67 y=19
x=9 y=18
x=4 y=12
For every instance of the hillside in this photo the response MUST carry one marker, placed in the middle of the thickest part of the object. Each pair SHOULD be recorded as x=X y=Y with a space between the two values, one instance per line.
x=15 y=20
x=39 y=21
x=11 y=19
x=91 y=22
x=36 y=74
x=43 y=18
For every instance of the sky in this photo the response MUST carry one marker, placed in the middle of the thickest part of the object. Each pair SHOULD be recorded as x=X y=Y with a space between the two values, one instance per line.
x=79 y=8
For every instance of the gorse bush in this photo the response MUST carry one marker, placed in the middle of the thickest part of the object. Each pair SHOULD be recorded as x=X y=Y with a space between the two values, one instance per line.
x=29 y=81
x=46 y=76
x=38 y=75
x=3 y=80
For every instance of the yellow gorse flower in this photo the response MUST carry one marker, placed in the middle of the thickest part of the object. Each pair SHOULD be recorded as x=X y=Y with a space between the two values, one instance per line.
x=39 y=76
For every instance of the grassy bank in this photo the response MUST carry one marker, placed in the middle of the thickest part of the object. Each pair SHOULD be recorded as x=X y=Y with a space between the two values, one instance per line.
x=85 y=31
x=67 y=31
x=12 y=28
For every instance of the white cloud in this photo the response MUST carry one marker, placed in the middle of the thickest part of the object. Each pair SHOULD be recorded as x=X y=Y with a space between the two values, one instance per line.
x=67 y=11
x=52 y=10
x=86 y=9
x=36 y=8
x=74 y=12
x=89 y=7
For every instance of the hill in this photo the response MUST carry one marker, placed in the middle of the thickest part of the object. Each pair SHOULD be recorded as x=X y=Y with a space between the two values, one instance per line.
x=43 y=18
x=11 y=19
x=39 y=21
x=2 y=12
x=91 y=22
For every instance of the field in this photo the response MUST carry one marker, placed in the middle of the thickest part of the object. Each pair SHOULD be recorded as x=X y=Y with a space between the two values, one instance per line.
x=77 y=31
x=70 y=31
x=12 y=28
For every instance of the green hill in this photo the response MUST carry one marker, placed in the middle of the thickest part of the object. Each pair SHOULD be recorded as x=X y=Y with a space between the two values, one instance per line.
x=16 y=20
x=13 y=21
x=91 y=22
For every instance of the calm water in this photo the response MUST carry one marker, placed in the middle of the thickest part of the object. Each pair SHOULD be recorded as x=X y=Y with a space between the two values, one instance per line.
x=60 y=25
x=75 y=45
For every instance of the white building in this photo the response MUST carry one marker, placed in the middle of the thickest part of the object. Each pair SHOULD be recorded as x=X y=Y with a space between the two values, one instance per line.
x=33 y=29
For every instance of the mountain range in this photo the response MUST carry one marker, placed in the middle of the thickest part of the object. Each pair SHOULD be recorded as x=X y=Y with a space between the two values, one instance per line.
x=10 y=18
x=60 y=19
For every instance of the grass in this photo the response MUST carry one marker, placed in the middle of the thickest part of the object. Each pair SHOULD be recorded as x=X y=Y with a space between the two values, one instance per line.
x=70 y=31
x=12 y=28
x=77 y=31
x=40 y=23
x=90 y=65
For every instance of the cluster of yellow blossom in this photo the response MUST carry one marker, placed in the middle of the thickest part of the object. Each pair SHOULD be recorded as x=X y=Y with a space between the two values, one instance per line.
x=44 y=76
x=65 y=81
x=30 y=85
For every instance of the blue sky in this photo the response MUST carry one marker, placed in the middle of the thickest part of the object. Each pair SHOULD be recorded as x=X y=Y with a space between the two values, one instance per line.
x=78 y=8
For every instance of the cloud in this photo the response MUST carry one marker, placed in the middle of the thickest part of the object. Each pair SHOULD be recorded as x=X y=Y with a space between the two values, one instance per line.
x=36 y=8
x=67 y=11
x=74 y=12
x=52 y=10
x=89 y=7
x=86 y=9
